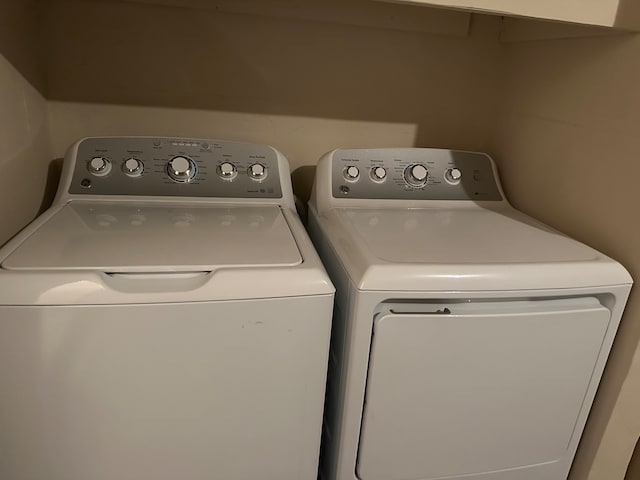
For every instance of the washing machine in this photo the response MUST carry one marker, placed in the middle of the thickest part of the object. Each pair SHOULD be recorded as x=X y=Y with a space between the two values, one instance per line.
x=468 y=339
x=167 y=318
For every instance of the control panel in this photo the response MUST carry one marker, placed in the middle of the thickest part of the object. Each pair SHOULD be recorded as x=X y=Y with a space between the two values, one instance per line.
x=155 y=166
x=413 y=174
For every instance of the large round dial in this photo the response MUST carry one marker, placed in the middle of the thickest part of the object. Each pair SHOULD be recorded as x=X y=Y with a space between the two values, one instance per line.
x=181 y=169
x=416 y=175
x=99 y=166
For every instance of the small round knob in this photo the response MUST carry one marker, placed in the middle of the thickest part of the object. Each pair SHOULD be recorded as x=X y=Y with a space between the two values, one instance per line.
x=257 y=171
x=99 y=166
x=416 y=175
x=132 y=167
x=227 y=170
x=181 y=169
x=351 y=173
x=378 y=173
x=453 y=175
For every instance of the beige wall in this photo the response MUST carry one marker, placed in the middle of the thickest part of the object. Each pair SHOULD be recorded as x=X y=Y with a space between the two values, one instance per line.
x=24 y=150
x=24 y=147
x=183 y=58
x=303 y=86
x=20 y=37
x=568 y=148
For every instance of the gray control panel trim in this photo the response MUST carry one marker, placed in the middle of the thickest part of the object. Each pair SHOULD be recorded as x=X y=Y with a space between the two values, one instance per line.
x=155 y=153
x=477 y=181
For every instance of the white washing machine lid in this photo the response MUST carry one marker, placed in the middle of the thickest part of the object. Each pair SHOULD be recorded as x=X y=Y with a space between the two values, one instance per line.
x=126 y=238
x=463 y=248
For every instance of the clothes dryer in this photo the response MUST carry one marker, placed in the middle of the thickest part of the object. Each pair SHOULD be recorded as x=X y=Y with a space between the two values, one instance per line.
x=468 y=339
x=167 y=318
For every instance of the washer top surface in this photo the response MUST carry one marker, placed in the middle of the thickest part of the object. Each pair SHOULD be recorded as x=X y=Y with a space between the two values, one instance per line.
x=140 y=220
x=111 y=237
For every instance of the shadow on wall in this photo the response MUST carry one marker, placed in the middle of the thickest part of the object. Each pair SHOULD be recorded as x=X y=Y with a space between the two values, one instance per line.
x=628 y=10
x=302 y=179
x=633 y=471
x=51 y=184
x=569 y=123
x=301 y=85
x=19 y=36
x=445 y=82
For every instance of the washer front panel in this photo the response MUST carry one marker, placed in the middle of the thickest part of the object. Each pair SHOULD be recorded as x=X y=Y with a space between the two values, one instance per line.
x=155 y=153
x=477 y=180
x=164 y=391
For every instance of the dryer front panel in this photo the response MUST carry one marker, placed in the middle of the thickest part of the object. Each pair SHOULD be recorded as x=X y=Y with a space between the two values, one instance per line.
x=468 y=389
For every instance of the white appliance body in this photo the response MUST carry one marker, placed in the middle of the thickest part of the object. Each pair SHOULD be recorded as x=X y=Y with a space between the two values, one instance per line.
x=160 y=328
x=468 y=339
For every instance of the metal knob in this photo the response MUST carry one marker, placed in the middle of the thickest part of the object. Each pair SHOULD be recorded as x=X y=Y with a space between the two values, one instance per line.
x=132 y=167
x=257 y=171
x=416 y=175
x=351 y=173
x=99 y=166
x=227 y=170
x=181 y=169
x=378 y=173
x=453 y=175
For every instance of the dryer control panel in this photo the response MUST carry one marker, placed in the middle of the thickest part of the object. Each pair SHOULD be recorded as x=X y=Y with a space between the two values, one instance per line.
x=413 y=174
x=160 y=166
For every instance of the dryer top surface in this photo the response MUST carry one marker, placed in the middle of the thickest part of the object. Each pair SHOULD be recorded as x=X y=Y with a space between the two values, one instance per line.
x=461 y=248
x=458 y=236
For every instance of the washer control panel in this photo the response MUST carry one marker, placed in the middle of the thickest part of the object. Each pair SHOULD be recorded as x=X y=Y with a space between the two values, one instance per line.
x=413 y=174
x=158 y=166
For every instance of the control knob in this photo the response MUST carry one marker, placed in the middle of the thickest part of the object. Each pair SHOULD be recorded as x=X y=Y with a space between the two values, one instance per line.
x=453 y=175
x=132 y=167
x=378 y=174
x=181 y=169
x=351 y=173
x=257 y=171
x=227 y=171
x=416 y=175
x=99 y=166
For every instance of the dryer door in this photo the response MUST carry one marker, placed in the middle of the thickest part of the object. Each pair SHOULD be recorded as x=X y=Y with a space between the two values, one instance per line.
x=476 y=388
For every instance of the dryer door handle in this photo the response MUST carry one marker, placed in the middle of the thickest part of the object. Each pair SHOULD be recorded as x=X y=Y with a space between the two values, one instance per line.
x=439 y=311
